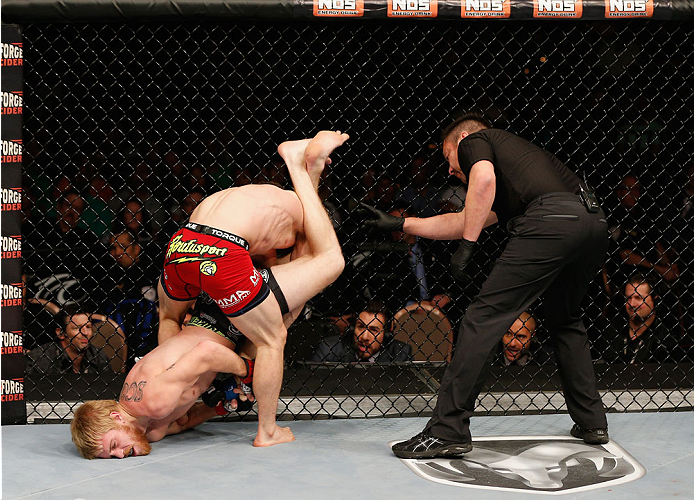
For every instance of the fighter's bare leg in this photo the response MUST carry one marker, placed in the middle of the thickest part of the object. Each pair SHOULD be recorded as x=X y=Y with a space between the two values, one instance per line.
x=264 y=327
x=306 y=276
x=171 y=314
x=316 y=154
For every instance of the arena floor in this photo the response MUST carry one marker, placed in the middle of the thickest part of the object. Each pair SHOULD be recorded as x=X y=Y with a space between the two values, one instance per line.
x=336 y=459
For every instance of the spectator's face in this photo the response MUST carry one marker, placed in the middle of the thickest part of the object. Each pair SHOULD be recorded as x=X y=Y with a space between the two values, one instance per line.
x=70 y=210
x=369 y=332
x=61 y=186
x=123 y=442
x=385 y=191
x=78 y=332
x=133 y=217
x=419 y=172
x=629 y=191
x=124 y=250
x=368 y=179
x=640 y=303
x=450 y=153
x=99 y=188
x=517 y=338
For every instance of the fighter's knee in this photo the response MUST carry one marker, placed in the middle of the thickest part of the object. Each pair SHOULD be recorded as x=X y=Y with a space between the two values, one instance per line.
x=275 y=339
x=275 y=343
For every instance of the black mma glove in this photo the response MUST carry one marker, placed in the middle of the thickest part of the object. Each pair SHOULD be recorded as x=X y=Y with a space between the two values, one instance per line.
x=379 y=219
x=219 y=391
x=460 y=259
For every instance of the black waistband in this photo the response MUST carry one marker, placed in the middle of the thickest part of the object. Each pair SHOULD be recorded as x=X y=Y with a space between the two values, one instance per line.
x=555 y=196
x=211 y=231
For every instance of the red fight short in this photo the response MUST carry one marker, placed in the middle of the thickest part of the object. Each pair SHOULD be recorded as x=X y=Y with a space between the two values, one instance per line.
x=204 y=258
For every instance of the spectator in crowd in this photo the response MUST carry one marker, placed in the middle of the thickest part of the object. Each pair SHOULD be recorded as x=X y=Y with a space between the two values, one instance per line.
x=244 y=174
x=71 y=352
x=365 y=190
x=171 y=169
x=637 y=243
x=131 y=286
x=134 y=218
x=386 y=192
x=517 y=343
x=180 y=215
x=419 y=189
x=38 y=319
x=199 y=180
x=409 y=270
x=641 y=338
x=63 y=260
x=141 y=186
x=325 y=193
x=97 y=216
x=370 y=340
x=681 y=235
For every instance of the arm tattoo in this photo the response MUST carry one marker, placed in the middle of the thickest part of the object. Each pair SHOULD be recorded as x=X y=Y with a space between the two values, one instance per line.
x=133 y=392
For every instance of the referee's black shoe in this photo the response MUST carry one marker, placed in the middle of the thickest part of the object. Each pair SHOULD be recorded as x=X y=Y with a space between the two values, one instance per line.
x=590 y=436
x=424 y=445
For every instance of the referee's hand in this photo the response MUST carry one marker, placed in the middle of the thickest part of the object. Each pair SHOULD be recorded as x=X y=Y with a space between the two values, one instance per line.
x=380 y=219
x=460 y=259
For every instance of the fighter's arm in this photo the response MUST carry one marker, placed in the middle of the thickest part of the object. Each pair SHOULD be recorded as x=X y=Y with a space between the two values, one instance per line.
x=171 y=314
x=164 y=392
x=197 y=414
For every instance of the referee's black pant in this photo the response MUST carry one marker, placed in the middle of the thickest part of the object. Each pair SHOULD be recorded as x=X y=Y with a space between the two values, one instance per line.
x=554 y=250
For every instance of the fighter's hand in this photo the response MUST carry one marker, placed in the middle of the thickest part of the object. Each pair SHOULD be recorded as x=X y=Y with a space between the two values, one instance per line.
x=244 y=389
x=379 y=219
x=245 y=399
x=460 y=259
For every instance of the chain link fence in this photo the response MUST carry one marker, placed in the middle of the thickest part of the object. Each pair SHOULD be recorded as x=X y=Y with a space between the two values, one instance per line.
x=129 y=125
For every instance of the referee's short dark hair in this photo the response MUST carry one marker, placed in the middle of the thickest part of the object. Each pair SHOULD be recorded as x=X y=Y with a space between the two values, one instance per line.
x=472 y=122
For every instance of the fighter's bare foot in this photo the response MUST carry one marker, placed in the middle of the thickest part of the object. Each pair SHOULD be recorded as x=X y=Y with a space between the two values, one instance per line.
x=279 y=436
x=292 y=152
x=317 y=151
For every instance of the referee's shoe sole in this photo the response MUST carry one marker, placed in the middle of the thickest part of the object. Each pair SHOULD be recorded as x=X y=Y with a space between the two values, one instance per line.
x=424 y=445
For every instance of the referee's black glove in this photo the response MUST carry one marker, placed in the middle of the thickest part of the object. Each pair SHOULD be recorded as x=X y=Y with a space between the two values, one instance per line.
x=379 y=219
x=460 y=259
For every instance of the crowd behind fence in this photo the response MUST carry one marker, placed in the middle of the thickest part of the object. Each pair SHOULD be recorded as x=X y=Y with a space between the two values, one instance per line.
x=129 y=126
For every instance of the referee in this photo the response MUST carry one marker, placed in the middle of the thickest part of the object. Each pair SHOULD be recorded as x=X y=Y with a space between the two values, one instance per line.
x=558 y=242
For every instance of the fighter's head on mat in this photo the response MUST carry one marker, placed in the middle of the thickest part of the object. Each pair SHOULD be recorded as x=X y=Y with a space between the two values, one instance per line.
x=99 y=430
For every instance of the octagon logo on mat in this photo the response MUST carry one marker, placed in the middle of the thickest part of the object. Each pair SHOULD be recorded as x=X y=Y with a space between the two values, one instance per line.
x=532 y=464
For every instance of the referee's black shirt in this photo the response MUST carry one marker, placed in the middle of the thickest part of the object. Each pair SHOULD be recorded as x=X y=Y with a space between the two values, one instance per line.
x=523 y=171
